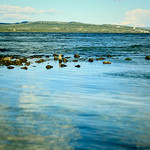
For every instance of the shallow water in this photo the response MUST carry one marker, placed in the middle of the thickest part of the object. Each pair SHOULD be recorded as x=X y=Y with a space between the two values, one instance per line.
x=95 y=106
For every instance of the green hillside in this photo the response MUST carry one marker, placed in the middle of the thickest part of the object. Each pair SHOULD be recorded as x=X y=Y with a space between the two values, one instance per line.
x=44 y=26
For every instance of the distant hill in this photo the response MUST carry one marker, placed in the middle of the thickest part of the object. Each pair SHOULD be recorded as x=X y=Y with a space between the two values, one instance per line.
x=70 y=27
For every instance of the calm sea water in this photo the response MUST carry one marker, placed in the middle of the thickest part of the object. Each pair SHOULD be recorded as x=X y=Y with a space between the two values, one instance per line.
x=93 y=107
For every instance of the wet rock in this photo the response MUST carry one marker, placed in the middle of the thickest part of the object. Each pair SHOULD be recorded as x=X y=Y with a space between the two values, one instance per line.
x=147 y=57
x=83 y=59
x=91 y=59
x=109 y=55
x=76 y=55
x=55 y=58
x=62 y=65
x=100 y=58
x=106 y=62
x=55 y=54
x=18 y=62
x=49 y=67
x=40 y=61
x=65 y=60
x=67 y=57
x=23 y=60
x=78 y=66
x=27 y=63
x=75 y=60
x=6 y=59
x=128 y=58
x=25 y=68
x=10 y=67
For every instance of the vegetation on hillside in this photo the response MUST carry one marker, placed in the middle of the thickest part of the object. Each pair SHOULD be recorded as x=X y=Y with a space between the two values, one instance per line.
x=72 y=27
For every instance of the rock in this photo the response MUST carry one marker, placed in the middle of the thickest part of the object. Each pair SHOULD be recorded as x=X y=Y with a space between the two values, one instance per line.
x=6 y=59
x=106 y=62
x=55 y=58
x=23 y=60
x=76 y=55
x=25 y=68
x=147 y=57
x=62 y=65
x=82 y=59
x=128 y=58
x=78 y=66
x=91 y=59
x=28 y=63
x=40 y=61
x=18 y=62
x=100 y=58
x=75 y=60
x=109 y=55
x=65 y=60
x=10 y=67
x=55 y=54
x=67 y=57
x=49 y=67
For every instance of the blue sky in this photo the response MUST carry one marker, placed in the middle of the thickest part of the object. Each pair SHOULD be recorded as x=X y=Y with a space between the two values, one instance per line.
x=124 y=12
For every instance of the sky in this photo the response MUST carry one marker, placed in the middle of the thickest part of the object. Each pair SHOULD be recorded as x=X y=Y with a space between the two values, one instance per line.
x=122 y=12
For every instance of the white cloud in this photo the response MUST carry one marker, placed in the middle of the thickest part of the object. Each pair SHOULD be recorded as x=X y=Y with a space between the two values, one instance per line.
x=137 y=17
x=8 y=12
x=8 y=9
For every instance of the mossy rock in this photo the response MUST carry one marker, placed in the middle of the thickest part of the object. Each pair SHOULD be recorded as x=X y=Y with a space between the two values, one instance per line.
x=106 y=62
x=76 y=55
x=49 y=67
x=128 y=58
x=147 y=57
x=91 y=59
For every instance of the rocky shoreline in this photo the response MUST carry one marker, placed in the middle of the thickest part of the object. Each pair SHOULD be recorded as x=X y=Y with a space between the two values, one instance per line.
x=12 y=61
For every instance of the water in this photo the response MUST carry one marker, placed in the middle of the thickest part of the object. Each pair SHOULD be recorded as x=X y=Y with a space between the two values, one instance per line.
x=93 y=107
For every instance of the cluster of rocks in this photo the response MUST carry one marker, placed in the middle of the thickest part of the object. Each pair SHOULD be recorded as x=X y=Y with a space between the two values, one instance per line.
x=11 y=61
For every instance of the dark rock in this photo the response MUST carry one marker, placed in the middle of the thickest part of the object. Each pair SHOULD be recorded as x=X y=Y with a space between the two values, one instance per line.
x=75 y=60
x=18 y=62
x=78 y=66
x=55 y=54
x=128 y=58
x=10 y=67
x=65 y=60
x=49 y=67
x=67 y=57
x=91 y=59
x=109 y=55
x=40 y=61
x=55 y=58
x=25 y=68
x=106 y=62
x=147 y=57
x=100 y=58
x=76 y=55
x=62 y=65
x=28 y=63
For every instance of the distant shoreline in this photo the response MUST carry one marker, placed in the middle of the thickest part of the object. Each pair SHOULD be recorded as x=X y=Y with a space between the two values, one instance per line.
x=69 y=27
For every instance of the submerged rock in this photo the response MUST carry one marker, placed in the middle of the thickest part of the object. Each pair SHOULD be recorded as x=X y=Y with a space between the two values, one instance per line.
x=55 y=54
x=62 y=65
x=91 y=59
x=40 y=61
x=147 y=57
x=49 y=67
x=106 y=62
x=128 y=58
x=55 y=58
x=78 y=66
x=100 y=58
x=28 y=63
x=25 y=68
x=76 y=55
x=109 y=55
x=65 y=60
x=10 y=67
x=75 y=60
